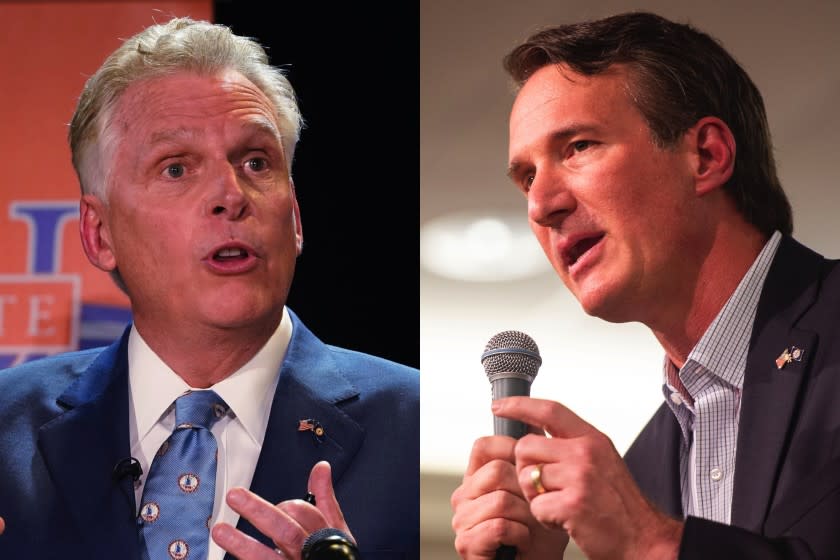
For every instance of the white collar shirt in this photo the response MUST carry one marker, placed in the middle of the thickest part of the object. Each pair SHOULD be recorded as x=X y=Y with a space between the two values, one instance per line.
x=153 y=388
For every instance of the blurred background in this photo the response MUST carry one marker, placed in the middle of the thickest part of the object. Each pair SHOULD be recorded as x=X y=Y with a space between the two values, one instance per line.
x=480 y=270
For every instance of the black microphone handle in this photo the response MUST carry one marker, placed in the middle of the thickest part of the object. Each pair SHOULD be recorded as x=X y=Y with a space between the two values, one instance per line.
x=510 y=387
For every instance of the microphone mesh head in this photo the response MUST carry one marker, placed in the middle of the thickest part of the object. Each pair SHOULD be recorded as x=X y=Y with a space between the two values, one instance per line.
x=329 y=542
x=513 y=352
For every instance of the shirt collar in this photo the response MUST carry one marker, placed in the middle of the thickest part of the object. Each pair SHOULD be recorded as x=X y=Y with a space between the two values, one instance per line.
x=722 y=350
x=249 y=391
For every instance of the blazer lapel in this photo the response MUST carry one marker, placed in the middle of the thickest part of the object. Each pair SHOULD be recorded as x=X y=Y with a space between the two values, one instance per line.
x=771 y=391
x=654 y=461
x=310 y=387
x=669 y=493
x=80 y=448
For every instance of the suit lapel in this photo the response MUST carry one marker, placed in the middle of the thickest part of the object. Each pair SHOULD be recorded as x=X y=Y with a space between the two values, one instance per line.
x=770 y=392
x=80 y=448
x=654 y=461
x=670 y=493
x=310 y=387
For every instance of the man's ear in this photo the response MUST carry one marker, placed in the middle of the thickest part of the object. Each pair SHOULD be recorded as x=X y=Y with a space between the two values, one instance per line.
x=298 y=225
x=714 y=146
x=95 y=233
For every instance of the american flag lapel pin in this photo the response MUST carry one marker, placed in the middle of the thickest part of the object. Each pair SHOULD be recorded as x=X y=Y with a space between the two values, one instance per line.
x=783 y=359
x=312 y=425
x=792 y=354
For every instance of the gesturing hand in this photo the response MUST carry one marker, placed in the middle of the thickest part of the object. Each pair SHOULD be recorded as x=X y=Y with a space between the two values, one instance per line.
x=287 y=524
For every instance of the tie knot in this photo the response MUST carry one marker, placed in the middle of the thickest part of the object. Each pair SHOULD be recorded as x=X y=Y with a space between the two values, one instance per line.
x=199 y=408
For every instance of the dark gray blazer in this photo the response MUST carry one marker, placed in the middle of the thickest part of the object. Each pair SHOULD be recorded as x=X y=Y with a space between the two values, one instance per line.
x=786 y=498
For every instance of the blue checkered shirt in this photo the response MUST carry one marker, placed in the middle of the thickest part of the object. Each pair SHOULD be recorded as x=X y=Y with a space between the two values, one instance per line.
x=713 y=375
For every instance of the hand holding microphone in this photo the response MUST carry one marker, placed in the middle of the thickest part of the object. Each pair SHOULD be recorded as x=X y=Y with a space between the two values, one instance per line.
x=490 y=506
x=511 y=360
x=575 y=481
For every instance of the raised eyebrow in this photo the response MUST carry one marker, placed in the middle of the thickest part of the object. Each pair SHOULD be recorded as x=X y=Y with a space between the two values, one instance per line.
x=264 y=126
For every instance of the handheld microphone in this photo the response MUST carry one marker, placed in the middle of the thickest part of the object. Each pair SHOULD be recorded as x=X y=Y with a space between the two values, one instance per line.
x=329 y=543
x=511 y=360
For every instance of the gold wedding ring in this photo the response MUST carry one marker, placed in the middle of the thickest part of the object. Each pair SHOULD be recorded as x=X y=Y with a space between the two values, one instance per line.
x=536 y=479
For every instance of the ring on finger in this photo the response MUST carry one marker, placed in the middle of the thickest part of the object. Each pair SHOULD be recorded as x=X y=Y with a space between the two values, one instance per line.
x=536 y=479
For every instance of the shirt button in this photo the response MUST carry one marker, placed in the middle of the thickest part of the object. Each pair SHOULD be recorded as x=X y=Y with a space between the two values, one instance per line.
x=676 y=398
x=716 y=474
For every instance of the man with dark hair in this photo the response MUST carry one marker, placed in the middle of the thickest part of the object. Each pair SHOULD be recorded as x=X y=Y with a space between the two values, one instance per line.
x=644 y=152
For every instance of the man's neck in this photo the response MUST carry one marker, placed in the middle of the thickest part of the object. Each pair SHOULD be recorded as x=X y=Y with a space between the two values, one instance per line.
x=725 y=265
x=201 y=355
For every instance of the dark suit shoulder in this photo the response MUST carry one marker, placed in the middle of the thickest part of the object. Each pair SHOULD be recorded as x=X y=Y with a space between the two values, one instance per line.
x=387 y=390
x=337 y=365
x=361 y=365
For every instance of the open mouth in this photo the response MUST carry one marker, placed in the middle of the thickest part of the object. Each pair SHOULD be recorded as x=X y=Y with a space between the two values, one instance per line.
x=576 y=251
x=229 y=254
x=232 y=258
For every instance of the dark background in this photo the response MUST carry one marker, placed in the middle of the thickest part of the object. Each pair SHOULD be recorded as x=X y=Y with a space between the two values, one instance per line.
x=356 y=170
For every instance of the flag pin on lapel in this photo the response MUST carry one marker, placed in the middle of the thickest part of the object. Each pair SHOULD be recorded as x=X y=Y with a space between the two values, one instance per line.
x=310 y=424
x=792 y=354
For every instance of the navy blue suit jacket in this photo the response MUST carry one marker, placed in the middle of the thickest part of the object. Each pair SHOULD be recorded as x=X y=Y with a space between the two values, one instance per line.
x=786 y=495
x=64 y=425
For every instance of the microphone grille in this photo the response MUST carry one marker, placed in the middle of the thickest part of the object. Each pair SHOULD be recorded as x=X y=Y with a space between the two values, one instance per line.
x=511 y=351
x=328 y=542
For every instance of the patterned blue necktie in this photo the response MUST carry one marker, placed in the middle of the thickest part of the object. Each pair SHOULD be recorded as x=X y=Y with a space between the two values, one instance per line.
x=178 y=497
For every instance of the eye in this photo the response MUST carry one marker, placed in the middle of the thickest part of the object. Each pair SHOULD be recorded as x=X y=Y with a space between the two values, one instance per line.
x=527 y=182
x=257 y=164
x=581 y=145
x=523 y=183
x=175 y=170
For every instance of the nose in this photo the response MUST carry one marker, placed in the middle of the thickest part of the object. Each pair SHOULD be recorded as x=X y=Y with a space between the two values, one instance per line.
x=228 y=198
x=549 y=201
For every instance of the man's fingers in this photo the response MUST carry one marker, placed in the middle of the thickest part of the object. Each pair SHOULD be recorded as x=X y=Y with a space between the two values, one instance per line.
x=288 y=523
x=320 y=484
x=495 y=475
x=240 y=545
x=495 y=505
x=308 y=517
x=488 y=448
x=482 y=541
x=551 y=416
x=269 y=520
